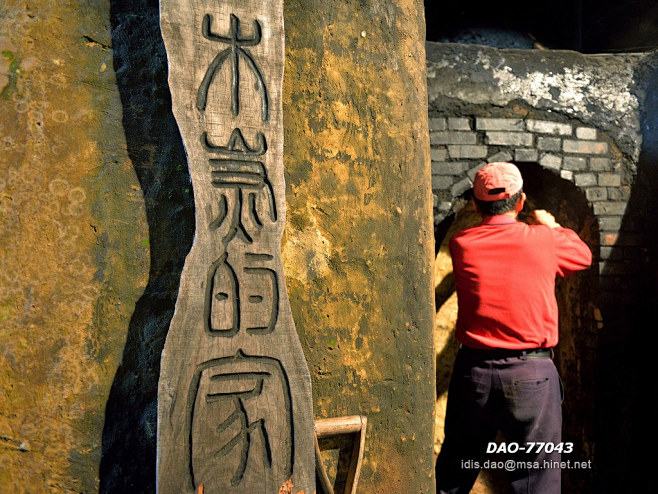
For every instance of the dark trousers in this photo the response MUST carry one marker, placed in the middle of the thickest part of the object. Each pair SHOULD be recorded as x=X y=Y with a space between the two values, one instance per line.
x=520 y=396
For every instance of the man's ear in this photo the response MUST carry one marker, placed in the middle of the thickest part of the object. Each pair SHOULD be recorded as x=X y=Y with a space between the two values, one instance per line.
x=521 y=202
x=475 y=205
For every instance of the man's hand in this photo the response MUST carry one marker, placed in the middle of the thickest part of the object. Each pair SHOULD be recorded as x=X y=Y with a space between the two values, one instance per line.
x=542 y=217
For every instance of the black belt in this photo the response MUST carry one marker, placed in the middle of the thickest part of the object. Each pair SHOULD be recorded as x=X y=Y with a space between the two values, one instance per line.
x=498 y=353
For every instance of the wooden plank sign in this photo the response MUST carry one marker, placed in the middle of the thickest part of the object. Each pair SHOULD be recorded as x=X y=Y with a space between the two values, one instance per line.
x=234 y=398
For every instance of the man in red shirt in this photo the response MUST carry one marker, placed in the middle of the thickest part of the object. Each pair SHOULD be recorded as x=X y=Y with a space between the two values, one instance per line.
x=504 y=378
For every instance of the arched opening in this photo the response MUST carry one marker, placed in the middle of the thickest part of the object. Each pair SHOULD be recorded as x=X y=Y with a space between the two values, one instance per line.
x=580 y=320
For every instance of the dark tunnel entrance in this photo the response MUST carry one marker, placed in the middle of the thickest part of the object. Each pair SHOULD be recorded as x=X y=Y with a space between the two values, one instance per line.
x=580 y=320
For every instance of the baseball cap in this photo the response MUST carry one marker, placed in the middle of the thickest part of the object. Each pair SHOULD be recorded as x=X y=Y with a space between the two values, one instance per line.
x=496 y=181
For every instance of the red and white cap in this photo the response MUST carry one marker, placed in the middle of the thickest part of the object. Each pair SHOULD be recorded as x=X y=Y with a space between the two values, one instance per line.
x=496 y=181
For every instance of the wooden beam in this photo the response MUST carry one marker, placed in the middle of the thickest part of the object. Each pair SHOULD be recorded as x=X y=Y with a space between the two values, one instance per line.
x=235 y=405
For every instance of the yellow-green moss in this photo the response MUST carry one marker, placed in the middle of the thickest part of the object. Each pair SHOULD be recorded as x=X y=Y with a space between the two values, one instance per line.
x=357 y=172
x=72 y=265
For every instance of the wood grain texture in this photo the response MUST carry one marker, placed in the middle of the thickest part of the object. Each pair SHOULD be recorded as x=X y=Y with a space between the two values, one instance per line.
x=234 y=410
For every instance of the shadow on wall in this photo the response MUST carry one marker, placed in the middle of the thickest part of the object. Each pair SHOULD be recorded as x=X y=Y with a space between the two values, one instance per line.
x=625 y=377
x=156 y=150
x=579 y=319
x=575 y=356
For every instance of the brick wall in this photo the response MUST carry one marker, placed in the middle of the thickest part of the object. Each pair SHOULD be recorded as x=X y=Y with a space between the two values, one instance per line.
x=583 y=155
x=595 y=182
x=582 y=129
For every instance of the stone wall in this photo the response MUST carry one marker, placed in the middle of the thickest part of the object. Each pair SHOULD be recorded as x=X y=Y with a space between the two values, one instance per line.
x=576 y=153
x=358 y=244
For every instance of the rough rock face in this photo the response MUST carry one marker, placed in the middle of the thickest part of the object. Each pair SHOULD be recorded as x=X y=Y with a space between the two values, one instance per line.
x=97 y=217
x=358 y=242
x=599 y=90
x=74 y=252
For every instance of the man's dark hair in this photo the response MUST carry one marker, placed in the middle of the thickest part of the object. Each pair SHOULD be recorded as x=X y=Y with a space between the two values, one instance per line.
x=494 y=208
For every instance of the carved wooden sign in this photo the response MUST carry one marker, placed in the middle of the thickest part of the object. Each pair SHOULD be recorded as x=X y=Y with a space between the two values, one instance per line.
x=234 y=398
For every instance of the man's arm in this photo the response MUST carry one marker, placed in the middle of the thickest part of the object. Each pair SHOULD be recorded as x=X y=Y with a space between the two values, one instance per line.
x=542 y=217
x=571 y=252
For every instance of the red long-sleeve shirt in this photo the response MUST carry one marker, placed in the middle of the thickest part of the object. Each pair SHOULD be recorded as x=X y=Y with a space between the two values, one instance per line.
x=505 y=278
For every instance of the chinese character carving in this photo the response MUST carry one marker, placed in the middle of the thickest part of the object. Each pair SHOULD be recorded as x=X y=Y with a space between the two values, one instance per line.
x=250 y=300
x=244 y=214
x=262 y=295
x=232 y=368
x=240 y=423
x=222 y=299
x=234 y=52
x=237 y=145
